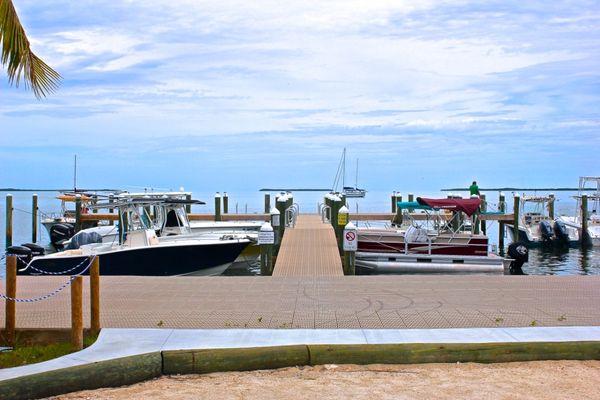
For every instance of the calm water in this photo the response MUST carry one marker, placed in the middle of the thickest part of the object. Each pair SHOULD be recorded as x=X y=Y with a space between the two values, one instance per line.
x=572 y=261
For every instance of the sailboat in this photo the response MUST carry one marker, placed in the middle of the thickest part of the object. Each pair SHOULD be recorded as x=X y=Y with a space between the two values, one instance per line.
x=348 y=191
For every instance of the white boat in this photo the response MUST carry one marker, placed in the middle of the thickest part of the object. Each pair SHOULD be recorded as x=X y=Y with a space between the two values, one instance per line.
x=592 y=236
x=138 y=250
x=348 y=191
x=537 y=228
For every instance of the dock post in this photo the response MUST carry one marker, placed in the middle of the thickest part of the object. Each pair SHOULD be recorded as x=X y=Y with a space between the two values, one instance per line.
x=188 y=207
x=34 y=218
x=551 y=206
x=584 y=237
x=77 y=312
x=394 y=202
x=501 y=208
x=483 y=209
x=280 y=204
x=398 y=217
x=516 y=211
x=350 y=245
x=9 y=220
x=218 y=206
x=411 y=197
x=275 y=222
x=94 y=202
x=111 y=210
x=335 y=206
x=266 y=239
x=77 y=213
x=95 y=295
x=343 y=215
x=267 y=203
x=10 y=306
x=225 y=203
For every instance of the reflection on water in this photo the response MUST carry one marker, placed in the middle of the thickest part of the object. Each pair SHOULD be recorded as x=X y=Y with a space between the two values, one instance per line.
x=561 y=261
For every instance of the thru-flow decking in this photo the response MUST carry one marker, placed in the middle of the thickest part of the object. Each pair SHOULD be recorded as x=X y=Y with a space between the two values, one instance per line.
x=309 y=249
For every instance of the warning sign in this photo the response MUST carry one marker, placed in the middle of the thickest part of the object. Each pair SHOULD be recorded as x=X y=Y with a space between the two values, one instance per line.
x=350 y=242
x=342 y=219
x=266 y=237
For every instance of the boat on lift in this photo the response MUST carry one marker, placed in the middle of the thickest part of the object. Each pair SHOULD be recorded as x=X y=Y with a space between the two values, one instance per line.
x=141 y=249
x=592 y=236
x=538 y=228
x=436 y=243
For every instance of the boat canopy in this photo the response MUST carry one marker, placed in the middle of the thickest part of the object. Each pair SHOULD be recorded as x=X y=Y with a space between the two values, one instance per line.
x=412 y=205
x=468 y=206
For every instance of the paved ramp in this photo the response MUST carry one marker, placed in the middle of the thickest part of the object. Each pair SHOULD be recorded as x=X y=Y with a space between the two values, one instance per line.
x=309 y=249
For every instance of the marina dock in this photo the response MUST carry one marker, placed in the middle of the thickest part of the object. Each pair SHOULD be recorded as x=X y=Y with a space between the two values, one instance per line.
x=309 y=250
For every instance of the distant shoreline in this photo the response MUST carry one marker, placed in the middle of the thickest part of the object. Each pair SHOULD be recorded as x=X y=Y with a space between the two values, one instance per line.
x=56 y=190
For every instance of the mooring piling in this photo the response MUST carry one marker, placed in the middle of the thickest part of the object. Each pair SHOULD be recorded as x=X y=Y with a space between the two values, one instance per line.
x=9 y=221
x=266 y=240
x=78 y=212
x=343 y=215
x=111 y=210
x=95 y=295
x=34 y=218
x=226 y=203
x=77 y=312
x=502 y=209
x=9 y=304
x=267 y=203
x=218 y=206
x=483 y=210
x=350 y=240
x=516 y=211
x=411 y=198
x=281 y=203
x=551 y=206
x=584 y=237
x=188 y=207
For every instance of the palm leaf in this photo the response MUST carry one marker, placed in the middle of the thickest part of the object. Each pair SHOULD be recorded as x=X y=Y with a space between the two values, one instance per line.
x=20 y=61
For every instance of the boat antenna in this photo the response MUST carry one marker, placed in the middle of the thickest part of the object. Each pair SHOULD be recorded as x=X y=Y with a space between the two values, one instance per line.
x=75 y=175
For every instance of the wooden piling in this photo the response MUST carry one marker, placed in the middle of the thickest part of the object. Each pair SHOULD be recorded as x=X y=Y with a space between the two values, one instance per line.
x=77 y=312
x=34 y=218
x=267 y=203
x=483 y=209
x=394 y=203
x=398 y=217
x=111 y=210
x=411 y=197
x=516 y=211
x=280 y=203
x=9 y=220
x=95 y=295
x=188 y=207
x=77 y=213
x=551 y=206
x=226 y=203
x=501 y=208
x=10 y=305
x=584 y=237
x=218 y=207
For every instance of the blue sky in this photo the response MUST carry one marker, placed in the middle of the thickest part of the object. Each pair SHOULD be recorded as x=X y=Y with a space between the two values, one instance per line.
x=426 y=94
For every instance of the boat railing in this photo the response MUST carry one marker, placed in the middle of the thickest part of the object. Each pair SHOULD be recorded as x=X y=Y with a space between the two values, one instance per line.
x=291 y=215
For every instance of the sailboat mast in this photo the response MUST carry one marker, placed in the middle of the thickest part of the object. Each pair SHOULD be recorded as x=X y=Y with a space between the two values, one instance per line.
x=356 y=182
x=344 y=169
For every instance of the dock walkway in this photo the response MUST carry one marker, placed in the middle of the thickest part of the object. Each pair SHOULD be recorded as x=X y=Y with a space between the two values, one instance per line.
x=309 y=249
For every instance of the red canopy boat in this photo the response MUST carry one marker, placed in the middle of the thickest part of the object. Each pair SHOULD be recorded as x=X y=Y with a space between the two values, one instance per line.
x=468 y=206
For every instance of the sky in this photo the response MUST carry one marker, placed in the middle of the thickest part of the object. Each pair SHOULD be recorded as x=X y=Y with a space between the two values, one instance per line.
x=239 y=95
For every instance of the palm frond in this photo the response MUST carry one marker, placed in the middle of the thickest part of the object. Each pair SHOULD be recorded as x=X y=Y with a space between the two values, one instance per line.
x=20 y=61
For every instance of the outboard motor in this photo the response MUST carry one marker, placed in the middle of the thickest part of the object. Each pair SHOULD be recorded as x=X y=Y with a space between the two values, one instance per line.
x=23 y=255
x=36 y=249
x=520 y=255
x=546 y=231
x=84 y=238
x=560 y=231
x=60 y=233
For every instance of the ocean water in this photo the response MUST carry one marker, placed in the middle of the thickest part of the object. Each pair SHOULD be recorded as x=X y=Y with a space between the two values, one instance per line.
x=573 y=261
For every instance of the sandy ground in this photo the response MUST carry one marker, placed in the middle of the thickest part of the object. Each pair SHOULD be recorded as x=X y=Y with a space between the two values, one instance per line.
x=526 y=380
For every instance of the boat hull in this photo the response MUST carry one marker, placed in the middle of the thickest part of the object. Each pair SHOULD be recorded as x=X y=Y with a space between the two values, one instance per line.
x=205 y=259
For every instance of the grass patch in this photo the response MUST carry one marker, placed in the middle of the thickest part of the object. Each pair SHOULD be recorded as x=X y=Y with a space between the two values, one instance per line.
x=23 y=355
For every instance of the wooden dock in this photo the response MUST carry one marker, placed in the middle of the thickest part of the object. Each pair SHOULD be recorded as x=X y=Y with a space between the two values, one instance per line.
x=309 y=249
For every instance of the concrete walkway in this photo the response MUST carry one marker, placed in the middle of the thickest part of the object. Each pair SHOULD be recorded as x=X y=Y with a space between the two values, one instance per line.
x=119 y=343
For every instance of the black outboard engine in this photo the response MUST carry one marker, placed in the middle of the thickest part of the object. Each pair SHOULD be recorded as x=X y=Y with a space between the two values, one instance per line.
x=520 y=255
x=36 y=249
x=84 y=238
x=23 y=255
x=546 y=231
x=60 y=233
x=560 y=231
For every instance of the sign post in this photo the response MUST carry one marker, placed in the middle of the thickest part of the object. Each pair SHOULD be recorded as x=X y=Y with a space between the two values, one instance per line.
x=342 y=216
x=266 y=240
x=350 y=245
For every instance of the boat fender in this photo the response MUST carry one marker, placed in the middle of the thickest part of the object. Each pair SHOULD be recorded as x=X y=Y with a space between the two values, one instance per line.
x=520 y=255
x=23 y=255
